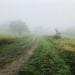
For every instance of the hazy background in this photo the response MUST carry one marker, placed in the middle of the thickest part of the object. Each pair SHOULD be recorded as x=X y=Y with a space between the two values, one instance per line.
x=44 y=15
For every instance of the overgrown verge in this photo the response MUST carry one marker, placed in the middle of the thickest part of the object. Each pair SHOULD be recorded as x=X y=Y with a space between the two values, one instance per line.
x=66 y=50
x=5 y=40
x=10 y=52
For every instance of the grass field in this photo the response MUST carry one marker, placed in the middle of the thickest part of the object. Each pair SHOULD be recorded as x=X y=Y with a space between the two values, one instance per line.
x=51 y=57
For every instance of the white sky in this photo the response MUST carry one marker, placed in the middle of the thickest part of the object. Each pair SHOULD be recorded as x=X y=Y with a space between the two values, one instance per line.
x=39 y=13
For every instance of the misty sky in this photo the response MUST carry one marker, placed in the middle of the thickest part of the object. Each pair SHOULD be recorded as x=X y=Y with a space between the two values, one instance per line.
x=39 y=13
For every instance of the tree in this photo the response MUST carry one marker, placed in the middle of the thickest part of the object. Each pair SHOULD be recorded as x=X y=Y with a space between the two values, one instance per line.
x=18 y=28
x=57 y=35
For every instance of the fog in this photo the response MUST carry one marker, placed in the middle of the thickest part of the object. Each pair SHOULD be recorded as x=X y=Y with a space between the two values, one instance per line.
x=44 y=15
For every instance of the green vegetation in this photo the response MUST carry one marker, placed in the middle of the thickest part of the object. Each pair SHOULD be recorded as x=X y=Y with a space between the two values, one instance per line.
x=46 y=61
x=5 y=39
x=51 y=57
x=9 y=52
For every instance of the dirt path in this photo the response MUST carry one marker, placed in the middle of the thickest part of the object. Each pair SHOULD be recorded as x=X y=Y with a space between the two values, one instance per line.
x=12 y=68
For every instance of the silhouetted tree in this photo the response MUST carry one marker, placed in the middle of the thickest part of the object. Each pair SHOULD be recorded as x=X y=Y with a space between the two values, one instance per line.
x=18 y=28
x=57 y=35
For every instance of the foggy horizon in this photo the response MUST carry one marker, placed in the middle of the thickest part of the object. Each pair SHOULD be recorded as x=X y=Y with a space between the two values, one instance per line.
x=44 y=14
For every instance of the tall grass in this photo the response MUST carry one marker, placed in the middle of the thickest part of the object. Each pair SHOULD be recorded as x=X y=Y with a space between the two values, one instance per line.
x=47 y=61
x=11 y=51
